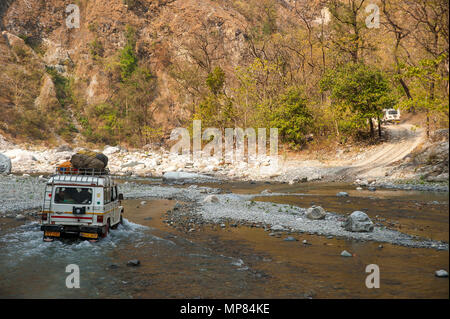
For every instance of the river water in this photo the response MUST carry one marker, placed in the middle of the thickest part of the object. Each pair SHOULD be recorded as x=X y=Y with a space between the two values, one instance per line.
x=235 y=262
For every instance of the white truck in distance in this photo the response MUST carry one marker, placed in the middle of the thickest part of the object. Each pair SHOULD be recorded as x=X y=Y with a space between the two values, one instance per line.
x=391 y=116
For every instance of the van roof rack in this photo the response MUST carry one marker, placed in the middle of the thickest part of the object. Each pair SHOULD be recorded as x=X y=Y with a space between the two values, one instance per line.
x=81 y=171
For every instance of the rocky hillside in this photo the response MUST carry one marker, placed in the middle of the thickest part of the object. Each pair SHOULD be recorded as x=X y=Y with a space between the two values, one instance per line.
x=134 y=69
x=53 y=76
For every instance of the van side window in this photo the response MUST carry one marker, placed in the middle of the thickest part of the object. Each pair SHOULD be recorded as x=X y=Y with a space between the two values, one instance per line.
x=106 y=195
x=113 y=194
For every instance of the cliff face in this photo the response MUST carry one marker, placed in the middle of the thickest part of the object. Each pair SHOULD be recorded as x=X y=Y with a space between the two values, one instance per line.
x=168 y=33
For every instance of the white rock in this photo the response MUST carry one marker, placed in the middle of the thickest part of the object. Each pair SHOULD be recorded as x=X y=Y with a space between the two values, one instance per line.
x=316 y=212
x=5 y=164
x=109 y=150
x=345 y=253
x=211 y=199
x=441 y=273
x=183 y=175
x=20 y=156
x=132 y=164
x=20 y=217
x=342 y=194
x=277 y=228
x=358 y=222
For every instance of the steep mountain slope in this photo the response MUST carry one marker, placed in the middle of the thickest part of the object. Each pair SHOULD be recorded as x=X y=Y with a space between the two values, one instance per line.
x=168 y=32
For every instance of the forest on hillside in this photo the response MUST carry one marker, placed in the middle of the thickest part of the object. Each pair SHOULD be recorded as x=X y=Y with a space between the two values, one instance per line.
x=326 y=68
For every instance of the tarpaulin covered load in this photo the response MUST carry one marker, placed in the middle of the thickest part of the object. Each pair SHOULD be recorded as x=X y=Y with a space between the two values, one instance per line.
x=89 y=160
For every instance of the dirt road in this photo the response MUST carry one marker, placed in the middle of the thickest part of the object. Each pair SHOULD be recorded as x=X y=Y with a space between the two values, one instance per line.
x=402 y=140
x=371 y=163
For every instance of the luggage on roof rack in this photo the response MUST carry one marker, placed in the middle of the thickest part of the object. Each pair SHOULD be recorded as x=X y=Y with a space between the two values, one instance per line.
x=89 y=160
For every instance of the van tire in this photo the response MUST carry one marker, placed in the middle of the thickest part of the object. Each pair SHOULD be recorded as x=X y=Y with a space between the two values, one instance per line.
x=105 y=233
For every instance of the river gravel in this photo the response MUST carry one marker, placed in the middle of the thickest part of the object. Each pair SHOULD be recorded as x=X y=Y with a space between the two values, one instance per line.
x=25 y=193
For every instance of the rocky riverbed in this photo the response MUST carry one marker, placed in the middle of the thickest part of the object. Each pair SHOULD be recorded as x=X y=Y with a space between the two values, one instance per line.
x=162 y=163
x=23 y=195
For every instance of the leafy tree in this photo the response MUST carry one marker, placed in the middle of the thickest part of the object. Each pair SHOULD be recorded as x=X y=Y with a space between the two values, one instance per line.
x=216 y=109
x=362 y=88
x=425 y=78
x=292 y=117
x=216 y=80
x=128 y=61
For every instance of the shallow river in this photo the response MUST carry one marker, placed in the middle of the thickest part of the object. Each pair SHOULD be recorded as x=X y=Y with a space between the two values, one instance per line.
x=235 y=262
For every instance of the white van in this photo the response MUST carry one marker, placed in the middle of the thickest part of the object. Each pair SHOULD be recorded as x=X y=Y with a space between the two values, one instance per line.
x=391 y=116
x=83 y=203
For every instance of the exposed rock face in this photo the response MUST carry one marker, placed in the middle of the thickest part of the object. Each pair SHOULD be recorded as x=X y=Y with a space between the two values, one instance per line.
x=47 y=97
x=5 y=164
x=167 y=33
x=358 y=222
x=316 y=212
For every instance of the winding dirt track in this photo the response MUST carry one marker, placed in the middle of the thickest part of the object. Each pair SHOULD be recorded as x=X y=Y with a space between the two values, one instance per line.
x=402 y=140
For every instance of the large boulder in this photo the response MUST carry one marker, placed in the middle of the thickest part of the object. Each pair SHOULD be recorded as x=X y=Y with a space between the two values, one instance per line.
x=316 y=212
x=358 y=222
x=5 y=164
x=89 y=160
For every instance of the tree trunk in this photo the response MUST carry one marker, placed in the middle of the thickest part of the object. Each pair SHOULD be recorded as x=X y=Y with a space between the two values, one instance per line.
x=371 y=127
x=379 y=126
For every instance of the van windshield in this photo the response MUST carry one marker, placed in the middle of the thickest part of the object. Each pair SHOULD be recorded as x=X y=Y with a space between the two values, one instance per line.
x=393 y=112
x=73 y=195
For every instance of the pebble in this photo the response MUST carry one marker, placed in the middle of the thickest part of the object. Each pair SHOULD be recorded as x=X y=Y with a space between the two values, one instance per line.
x=134 y=262
x=342 y=194
x=441 y=273
x=290 y=238
x=20 y=217
x=345 y=253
